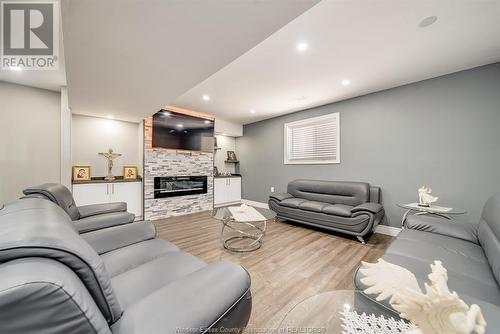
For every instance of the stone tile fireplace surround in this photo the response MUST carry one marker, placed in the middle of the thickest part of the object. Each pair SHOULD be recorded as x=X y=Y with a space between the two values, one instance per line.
x=169 y=163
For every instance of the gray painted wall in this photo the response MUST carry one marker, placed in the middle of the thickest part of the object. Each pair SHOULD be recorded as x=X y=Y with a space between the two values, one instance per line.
x=442 y=132
x=30 y=138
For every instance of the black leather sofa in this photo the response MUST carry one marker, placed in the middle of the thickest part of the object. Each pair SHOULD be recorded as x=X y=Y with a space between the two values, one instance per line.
x=470 y=252
x=349 y=207
x=116 y=280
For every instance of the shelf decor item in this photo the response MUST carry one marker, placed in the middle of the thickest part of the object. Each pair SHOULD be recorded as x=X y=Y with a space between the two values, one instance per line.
x=436 y=311
x=231 y=156
x=81 y=173
x=110 y=156
x=425 y=198
x=129 y=172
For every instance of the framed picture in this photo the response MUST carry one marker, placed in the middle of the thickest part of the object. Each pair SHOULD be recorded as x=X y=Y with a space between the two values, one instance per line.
x=231 y=155
x=81 y=173
x=129 y=172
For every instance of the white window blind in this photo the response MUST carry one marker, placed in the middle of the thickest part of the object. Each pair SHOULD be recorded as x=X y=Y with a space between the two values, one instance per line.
x=313 y=141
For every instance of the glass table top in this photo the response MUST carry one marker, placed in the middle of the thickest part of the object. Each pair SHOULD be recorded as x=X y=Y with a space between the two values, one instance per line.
x=224 y=213
x=432 y=209
x=321 y=313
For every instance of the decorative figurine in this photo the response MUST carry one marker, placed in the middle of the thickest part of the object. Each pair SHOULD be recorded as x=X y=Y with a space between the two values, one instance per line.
x=110 y=156
x=425 y=198
x=436 y=311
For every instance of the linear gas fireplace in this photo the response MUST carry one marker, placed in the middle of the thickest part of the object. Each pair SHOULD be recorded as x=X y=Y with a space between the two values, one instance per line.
x=170 y=186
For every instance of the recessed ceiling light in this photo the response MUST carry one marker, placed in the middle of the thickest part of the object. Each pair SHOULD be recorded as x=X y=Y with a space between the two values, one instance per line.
x=15 y=68
x=252 y=111
x=206 y=97
x=302 y=46
x=346 y=82
x=109 y=117
x=427 y=21
x=180 y=125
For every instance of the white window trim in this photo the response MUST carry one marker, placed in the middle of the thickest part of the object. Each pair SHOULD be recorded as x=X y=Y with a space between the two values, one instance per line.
x=303 y=122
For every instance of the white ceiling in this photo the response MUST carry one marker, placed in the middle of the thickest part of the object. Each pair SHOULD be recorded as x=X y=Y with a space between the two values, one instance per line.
x=128 y=58
x=52 y=80
x=374 y=44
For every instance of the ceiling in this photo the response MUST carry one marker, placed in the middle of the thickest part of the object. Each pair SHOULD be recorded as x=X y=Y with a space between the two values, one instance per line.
x=375 y=45
x=52 y=80
x=128 y=58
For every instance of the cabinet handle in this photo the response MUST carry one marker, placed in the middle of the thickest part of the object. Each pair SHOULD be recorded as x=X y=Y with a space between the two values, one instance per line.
x=113 y=187
x=107 y=189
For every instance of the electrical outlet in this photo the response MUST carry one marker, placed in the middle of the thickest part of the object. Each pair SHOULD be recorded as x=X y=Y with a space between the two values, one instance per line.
x=272 y=189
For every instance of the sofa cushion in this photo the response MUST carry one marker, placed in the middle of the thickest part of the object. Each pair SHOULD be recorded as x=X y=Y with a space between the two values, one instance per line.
x=106 y=220
x=453 y=259
x=466 y=248
x=292 y=202
x=338 y=210
x=130 y=286
x=312 y=206
x=333 y=192
x=127 y=258
x=196 y=302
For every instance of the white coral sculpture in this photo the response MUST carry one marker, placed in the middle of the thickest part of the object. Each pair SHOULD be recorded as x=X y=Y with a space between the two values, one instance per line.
x=437 y=311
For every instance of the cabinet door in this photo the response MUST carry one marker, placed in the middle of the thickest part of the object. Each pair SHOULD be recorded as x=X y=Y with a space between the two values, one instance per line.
x=220 y=191
x=130 y=193
x=91 y=193
x=234 y=190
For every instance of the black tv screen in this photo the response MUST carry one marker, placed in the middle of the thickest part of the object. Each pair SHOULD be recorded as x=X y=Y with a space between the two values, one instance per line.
x=182 y=132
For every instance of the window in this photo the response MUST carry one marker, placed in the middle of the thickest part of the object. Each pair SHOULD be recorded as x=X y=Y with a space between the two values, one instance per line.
x=313 y=140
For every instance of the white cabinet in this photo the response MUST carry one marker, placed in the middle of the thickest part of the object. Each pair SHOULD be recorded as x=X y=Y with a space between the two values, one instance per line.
x=96 y=193
x=227 y=190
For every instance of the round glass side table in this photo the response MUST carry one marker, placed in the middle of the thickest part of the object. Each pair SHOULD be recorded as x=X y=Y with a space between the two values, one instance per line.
x=414 y=208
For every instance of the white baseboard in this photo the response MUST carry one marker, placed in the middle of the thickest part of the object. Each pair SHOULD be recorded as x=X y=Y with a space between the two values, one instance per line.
x=254 y=203
x=381 y=229
x=388 y=230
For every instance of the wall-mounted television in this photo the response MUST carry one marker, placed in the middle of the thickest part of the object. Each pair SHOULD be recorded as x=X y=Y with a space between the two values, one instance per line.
x=182 y=132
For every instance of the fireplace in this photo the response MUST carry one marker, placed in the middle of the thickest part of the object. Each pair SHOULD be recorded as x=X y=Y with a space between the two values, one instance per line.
x=170 y=186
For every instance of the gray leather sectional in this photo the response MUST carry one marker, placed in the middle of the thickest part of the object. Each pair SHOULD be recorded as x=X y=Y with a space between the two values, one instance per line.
x=88 y=217
x=469 y=252
x=349 y=207
x=120 y=279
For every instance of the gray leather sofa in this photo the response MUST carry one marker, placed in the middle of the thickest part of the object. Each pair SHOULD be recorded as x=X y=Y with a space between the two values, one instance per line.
x=348 y=207
x=469 y=252
x=119 y=280
x=87 y=217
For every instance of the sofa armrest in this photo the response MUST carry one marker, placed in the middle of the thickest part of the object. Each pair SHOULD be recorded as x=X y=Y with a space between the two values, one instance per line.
x=281 y=196
x=112 y=238
x=369 y=206
x=92 y=223
x=99 y=209
x=443 y=226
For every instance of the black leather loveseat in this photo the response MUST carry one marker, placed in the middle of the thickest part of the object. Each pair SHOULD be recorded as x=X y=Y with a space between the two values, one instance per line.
x=348 y=207
x=470 y=252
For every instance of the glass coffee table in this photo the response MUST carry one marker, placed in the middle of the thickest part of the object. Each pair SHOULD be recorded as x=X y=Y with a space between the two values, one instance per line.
x=320 y=313
x=242 y=236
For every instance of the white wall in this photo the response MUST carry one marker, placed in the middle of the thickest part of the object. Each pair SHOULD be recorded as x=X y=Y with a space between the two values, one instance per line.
x=91 y=135
x=29 y=138
x=225 y=143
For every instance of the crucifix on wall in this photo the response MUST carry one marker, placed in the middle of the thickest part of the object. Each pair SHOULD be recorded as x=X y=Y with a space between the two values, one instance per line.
x=110 y=156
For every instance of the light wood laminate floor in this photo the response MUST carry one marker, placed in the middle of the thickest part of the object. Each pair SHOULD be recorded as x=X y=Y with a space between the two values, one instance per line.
x=294 y=262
